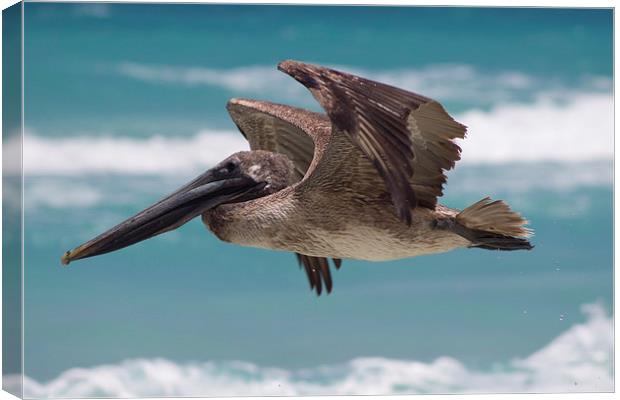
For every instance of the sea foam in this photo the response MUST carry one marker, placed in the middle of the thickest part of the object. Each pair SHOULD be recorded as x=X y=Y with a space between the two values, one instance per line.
x=578 y=360
x=561 y=126
x=124 y=155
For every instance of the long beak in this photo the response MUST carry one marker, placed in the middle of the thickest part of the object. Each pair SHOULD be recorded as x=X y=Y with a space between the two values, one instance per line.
x=209 y=190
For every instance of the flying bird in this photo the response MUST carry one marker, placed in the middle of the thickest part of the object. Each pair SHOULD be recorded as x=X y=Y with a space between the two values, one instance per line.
x=358 y=182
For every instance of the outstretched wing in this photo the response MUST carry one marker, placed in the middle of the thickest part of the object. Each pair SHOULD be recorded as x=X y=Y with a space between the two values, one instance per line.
x=407 y=137
x=290 y=131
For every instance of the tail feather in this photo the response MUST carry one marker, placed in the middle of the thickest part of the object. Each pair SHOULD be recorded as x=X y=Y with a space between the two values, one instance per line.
x=493 y=225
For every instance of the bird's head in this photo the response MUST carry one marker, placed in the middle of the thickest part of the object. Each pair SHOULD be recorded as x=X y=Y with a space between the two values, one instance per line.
x=274 y=169
x=243 y=176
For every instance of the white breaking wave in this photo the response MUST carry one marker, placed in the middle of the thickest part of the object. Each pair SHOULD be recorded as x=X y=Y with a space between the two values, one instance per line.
x=154 y=155
x=578 y=127
x=578 y=360
x=560 y=126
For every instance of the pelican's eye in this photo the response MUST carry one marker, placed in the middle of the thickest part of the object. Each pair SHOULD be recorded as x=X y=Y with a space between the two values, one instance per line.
x=230 y=167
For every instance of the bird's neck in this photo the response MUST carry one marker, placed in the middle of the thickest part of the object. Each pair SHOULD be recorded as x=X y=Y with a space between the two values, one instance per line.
x=253 y=223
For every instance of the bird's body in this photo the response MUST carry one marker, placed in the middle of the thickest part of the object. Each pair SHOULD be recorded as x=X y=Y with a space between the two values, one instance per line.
x=358 y=182
x=335 y=223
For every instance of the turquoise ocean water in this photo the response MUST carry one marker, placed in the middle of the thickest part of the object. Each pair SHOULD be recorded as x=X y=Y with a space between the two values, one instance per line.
x=123 y=103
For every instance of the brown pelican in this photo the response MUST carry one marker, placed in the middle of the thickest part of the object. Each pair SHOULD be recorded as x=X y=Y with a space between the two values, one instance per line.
x=360 y=182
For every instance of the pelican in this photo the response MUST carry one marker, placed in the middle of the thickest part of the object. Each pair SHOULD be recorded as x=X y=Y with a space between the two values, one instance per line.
x=358 y=182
